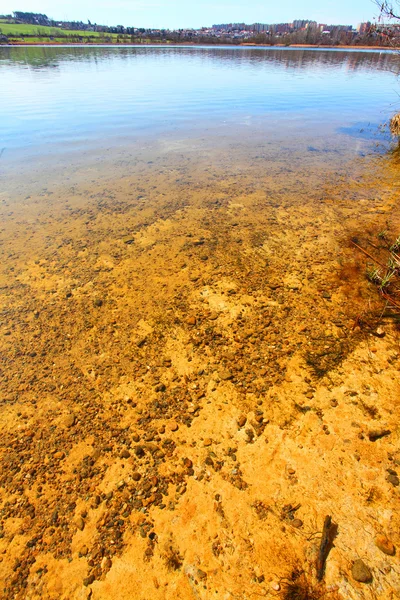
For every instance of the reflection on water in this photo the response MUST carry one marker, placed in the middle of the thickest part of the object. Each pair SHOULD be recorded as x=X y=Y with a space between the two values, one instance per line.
x=94 y=96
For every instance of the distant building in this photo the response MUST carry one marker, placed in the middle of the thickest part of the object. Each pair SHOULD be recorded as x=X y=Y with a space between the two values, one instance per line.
x=363 y=28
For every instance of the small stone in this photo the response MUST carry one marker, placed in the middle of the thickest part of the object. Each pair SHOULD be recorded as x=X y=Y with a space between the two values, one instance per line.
x=191 y=321
x=275 y=586
x=80 y=523
x=69 y=420
x=88 y=580
x=385 y=545
x=376 y=434
x=361 y=572
x=160 y=387
x=207 y=442
x=83 y=551
x=334 y=403
x=242 y=421
x=59 y=455
x=125 y=453
x=128 y=239
x=297 y=523
x=106 y=563
x=393 y=479
x=291 y=471
x=380 y=333
x=97 y=302
x=136 y=476
x=225 y=375
x=173 y=426
x=201 y=574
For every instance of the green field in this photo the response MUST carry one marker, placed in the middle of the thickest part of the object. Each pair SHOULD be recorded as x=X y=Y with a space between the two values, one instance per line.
x=37 y=31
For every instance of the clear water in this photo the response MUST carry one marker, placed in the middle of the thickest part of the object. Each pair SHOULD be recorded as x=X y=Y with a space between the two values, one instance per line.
x=82 y=98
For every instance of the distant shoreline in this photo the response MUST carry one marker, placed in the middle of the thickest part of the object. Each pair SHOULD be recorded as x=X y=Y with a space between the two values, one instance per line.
x=245 y=45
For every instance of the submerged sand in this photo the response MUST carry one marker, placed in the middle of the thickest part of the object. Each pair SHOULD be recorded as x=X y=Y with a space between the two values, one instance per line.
x=186 y=389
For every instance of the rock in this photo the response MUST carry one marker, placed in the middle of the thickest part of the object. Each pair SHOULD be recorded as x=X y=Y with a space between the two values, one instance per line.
x=393 y=479
x=201 y=574
x=84 y=551
x=106 y=563
x=207 y=442
x=59 y=455
x=80 y=523
x=88 y=580
x=293 y=283
x=376 y=434
x=69 y=420
x=160 y=388
x=173 y=426
x=125 y=453
x=97 y=302
x=291 y=471
x=242 y=421
x=225 y=375
x=128 y=239
x=380 y=333
x=334 y=403
x=297 y=523
x=275 y=586
x=191 y=321
x=385 y=545
x=361 y=572
x=136 y=476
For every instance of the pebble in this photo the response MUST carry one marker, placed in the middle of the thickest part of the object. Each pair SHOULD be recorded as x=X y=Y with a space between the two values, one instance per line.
x=275 y=586
x=88 y=580
x=84 y=551
x=69 y=420
x=173 y=426
x=361 y=572
x=225 y=375
x=297 y=523
x=242 y=421
x=106 y=563
x=191 y=321
x=393 y=479
x=334 y=403
x=385 y=545
x=291 y=471
x=136 y=476
x=80 y=523
x=207 y=442
x=201 y=574
x=98 y=302
x=125 y=454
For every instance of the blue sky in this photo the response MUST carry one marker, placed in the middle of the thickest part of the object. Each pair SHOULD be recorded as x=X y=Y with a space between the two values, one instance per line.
x=192 y=13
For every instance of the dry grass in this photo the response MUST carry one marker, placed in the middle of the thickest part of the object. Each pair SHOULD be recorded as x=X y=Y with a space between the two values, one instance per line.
x=395 y=125
x=299 y=587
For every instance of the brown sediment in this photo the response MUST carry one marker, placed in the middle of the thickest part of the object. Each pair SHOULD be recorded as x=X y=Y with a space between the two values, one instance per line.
x=185 y=394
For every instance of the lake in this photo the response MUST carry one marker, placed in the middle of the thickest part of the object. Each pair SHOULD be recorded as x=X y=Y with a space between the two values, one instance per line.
x=80 y=98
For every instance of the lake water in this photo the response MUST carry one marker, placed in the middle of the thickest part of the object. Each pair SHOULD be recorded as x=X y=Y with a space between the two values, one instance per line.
x=58 y=98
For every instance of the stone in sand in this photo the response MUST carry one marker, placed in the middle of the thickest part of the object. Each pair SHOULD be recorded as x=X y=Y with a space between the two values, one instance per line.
x=361 y=572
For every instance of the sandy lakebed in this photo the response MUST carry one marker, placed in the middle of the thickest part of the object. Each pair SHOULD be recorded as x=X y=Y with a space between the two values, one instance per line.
x=186 y=390
x=195 y=371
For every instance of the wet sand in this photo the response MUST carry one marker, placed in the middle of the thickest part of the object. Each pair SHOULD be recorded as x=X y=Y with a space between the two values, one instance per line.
x=186 y=390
